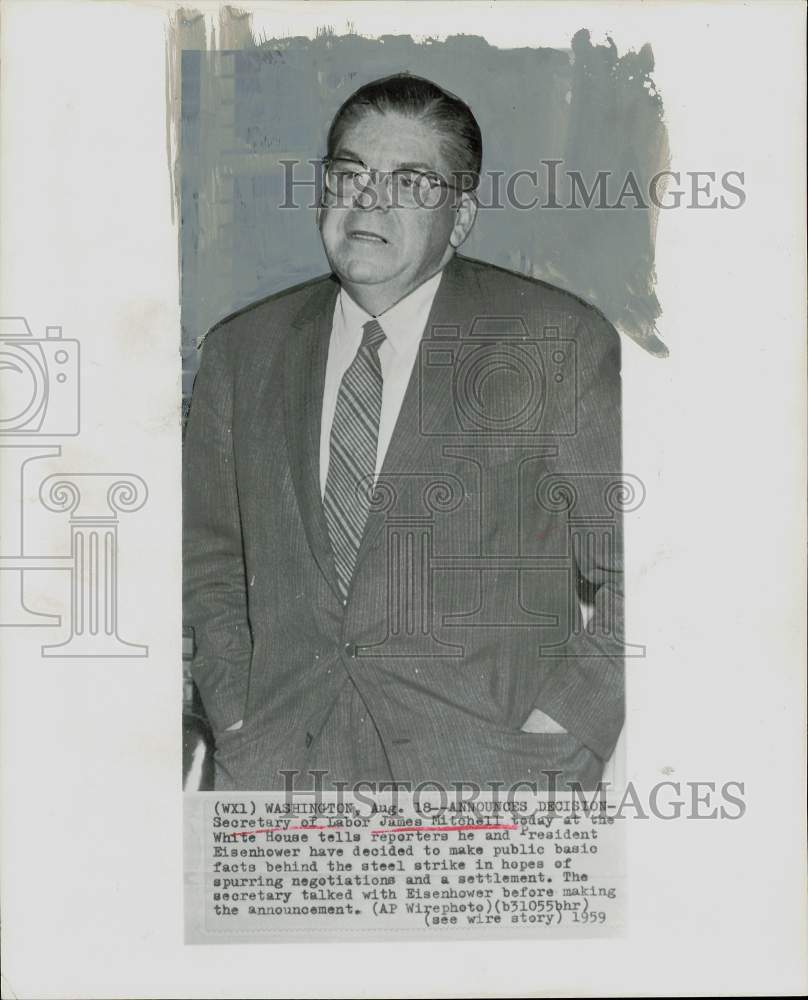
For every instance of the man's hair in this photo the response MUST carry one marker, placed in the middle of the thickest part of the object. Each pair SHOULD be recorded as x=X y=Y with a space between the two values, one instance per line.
x=461 y=141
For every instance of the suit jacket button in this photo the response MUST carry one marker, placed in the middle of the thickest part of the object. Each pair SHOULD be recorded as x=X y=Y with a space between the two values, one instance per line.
x=350 y=650
x=309 y=739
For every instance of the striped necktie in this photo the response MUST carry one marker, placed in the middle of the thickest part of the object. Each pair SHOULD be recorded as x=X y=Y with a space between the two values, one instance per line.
x=352 y=456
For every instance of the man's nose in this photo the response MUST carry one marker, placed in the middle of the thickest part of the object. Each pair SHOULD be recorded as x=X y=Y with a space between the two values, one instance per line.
x=377 y=193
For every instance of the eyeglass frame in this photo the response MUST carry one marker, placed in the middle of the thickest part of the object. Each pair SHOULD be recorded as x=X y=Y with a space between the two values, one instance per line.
x=374 y=174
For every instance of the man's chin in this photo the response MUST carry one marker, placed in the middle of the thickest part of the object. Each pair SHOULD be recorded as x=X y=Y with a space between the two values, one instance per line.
x=362 y=272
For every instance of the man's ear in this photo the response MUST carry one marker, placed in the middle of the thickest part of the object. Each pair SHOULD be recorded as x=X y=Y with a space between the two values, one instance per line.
x=464 y=220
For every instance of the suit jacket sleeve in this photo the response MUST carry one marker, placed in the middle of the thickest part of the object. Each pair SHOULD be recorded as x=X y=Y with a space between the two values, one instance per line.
x=585 y=691
x=215 y=596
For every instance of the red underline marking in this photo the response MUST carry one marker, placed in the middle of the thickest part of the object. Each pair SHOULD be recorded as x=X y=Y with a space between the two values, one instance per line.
x=383 y=829
x=283 y=829
x=445 y=829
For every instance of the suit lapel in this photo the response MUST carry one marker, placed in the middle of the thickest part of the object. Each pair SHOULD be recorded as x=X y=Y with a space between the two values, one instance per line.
x=304 y=379
x=411 y=450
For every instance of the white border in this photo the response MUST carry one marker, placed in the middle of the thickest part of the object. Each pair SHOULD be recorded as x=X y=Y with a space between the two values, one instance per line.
x=91 y=827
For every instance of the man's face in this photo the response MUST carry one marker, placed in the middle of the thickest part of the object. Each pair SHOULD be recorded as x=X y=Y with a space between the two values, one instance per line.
x=378 y=239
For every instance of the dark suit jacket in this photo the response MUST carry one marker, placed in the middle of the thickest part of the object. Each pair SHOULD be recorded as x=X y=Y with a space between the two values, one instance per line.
x=496 y=510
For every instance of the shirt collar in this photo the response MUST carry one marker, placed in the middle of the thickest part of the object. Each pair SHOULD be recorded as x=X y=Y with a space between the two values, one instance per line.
x=402 y=322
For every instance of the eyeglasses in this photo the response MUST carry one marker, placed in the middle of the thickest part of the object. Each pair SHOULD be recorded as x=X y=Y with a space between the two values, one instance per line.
x=347 y=179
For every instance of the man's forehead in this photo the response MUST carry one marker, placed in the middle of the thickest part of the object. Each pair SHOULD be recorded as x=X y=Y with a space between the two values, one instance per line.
x=389 y=140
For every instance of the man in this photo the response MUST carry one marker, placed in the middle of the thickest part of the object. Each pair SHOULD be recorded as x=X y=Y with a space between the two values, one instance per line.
x=394 y=493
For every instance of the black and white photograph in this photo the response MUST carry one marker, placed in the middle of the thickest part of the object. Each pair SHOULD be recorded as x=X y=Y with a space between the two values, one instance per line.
x=403 y=491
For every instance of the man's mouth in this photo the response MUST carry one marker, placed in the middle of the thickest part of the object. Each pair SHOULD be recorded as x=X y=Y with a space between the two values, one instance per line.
x=365 y=236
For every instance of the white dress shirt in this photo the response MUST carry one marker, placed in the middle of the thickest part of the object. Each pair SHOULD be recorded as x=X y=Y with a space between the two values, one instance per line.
x=403 y=326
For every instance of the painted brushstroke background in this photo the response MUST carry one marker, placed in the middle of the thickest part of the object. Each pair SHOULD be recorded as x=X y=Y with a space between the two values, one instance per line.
x=238 y=105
